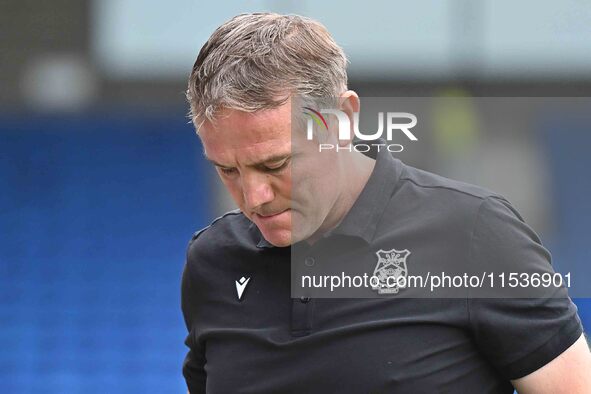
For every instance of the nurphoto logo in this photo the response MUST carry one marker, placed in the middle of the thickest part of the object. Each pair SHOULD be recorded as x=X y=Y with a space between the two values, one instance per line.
x=395 y=122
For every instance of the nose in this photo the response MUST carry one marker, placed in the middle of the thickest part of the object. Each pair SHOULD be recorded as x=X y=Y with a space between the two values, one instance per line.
x=256 y=190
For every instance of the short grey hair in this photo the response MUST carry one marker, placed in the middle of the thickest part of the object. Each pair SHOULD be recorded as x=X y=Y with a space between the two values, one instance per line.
x=257 y=61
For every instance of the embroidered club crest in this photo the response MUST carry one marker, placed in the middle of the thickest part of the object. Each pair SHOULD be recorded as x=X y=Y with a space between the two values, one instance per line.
x=391 y=264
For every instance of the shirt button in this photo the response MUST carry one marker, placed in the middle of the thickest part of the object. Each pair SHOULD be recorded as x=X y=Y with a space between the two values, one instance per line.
x=309 y=261
x=305 y=300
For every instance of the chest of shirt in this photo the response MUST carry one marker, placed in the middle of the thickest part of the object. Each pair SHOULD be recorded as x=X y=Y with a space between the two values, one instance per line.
x=329 y=345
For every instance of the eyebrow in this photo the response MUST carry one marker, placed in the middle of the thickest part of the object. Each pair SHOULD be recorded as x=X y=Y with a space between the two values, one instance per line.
x=259 y=164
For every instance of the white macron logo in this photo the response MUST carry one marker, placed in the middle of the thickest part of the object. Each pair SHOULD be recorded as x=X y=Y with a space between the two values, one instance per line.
x=241 y=285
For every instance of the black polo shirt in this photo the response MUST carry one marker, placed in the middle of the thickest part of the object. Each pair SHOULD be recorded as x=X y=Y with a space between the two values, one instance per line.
x=265 y=341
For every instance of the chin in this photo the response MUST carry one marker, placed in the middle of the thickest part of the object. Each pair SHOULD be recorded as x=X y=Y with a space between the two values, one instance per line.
x=279 y=238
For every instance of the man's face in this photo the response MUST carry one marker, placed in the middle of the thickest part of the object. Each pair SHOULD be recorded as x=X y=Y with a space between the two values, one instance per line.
x=254 y=157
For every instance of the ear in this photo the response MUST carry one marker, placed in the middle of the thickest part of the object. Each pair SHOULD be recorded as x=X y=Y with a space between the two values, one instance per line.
x=349 y=103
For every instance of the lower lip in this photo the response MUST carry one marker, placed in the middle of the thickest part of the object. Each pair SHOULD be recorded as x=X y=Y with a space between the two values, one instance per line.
x=267 y=218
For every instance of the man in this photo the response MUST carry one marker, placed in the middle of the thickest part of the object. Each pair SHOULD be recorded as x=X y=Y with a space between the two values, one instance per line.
x=247 y=334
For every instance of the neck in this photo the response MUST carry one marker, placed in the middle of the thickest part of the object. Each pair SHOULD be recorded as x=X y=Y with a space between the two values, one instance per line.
x=356 y=171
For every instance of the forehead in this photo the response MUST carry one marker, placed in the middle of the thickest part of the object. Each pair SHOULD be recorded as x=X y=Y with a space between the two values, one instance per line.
x=236 y=131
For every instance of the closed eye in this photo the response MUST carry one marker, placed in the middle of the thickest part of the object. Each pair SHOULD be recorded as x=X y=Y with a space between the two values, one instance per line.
x=269 y=168
x=277 y=167
x=227 y=171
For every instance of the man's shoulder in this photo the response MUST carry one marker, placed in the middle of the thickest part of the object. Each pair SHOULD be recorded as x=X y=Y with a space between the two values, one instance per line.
x=439 y=186
x=219 y=224
x=229 y=231
x=446 y=201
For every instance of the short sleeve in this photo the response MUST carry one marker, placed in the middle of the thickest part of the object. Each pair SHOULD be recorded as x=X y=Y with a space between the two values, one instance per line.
x=194 y=363
x=517 y=335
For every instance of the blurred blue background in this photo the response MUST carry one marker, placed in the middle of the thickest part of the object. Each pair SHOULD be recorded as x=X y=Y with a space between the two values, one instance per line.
x=96 y=213
x=102 y=181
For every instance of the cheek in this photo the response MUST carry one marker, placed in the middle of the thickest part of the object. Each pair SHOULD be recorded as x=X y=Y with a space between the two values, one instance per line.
x=308 y=190
x=285 y=186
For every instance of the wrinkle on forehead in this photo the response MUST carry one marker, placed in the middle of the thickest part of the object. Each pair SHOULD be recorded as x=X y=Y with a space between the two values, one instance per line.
x=247 y=137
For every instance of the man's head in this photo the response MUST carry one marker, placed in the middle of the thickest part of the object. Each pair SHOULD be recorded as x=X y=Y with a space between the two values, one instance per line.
x=241 y=92
x=256 y=61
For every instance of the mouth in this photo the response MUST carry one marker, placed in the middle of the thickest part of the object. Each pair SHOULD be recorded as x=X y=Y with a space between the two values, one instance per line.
x=271 y=215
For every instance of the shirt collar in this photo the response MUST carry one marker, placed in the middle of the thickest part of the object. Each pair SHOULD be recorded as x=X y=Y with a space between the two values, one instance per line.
x=258 y=236
x=263 y=243
x=362 y=219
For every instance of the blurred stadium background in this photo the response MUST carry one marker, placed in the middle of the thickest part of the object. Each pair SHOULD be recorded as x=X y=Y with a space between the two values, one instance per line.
x=102 y=181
